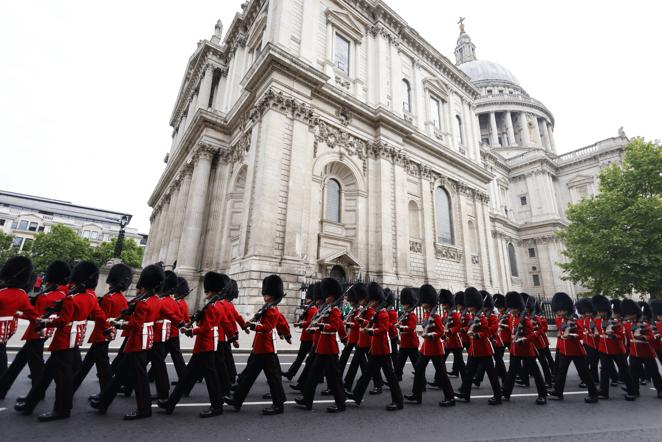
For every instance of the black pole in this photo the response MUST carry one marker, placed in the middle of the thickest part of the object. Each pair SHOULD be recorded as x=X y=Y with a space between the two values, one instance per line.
x=119 y=244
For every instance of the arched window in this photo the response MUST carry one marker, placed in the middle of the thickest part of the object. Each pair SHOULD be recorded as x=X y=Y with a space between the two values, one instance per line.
x=458 y=121
x=406 y=96
x=414 y=221
x=473 y=243
x=332 y=212
x=444 y=219
x=513 y=260
x=338 y=273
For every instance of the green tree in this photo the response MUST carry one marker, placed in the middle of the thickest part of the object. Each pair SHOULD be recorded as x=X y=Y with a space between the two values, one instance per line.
x=132 y=253
x=6 y=249
x=61 y=243
x=614 y=241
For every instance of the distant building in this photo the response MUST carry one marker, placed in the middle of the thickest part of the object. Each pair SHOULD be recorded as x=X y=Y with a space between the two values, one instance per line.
x=23 y=216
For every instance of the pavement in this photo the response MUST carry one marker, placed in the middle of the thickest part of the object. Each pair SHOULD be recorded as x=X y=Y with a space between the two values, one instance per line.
x=519 y=419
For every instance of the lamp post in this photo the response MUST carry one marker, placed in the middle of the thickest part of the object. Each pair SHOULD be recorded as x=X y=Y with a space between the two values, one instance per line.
x=119 y=244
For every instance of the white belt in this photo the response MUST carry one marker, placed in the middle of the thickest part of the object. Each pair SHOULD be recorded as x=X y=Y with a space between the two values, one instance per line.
x=145 y=334
x=165 y=328
x=274 y=338
x=215 y=330
x=6 y=318
x=73 y=331
x=328 y=333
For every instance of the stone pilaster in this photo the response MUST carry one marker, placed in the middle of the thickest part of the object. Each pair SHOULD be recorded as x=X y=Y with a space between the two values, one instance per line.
x=494 y=132
x=524 y=128
x=180 y=212
x=509 y=127
x=205 y=88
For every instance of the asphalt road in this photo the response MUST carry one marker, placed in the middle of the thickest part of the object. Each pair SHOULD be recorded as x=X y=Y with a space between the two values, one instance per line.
x=519 y=419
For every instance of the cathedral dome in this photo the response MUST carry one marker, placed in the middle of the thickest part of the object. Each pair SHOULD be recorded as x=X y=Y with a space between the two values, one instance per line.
x=485 y=70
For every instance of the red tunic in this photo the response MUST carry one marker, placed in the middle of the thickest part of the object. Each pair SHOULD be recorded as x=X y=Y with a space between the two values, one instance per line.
x=467 y=317
x=363 y=320
x=493 y=328
x=44 y=302
x=283 y=327
x=168 y=315
x=226 y=323
x=541 y=333
x=307 y=336
x=453 y=339
x=71 y=322
x=380 y=344
x=13 y=301
x=588 y=325
x=658 y=336
x=331 y=325
x=571 y=345
x=480 y=344
x=408 y=336
x=640 y=336
x=140 y=327
x=393 y=319
x=263 y=343
x=111 y=305
x=206 y=332
x=523 y=345
x=613 y=344
x=504 y=329
x=432 y=343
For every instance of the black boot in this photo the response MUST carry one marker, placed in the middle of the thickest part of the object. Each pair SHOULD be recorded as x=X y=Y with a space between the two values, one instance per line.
x=52 y=416
x=211 y=412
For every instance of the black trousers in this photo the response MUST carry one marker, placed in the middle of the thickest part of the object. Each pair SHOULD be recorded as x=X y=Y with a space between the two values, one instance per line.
x=201 y=365
x=650 y=370
x=373 y=367
x=32 y=354
x=441 y=377
x=172 y=348
x=3 y=358
x=360 y=359
x=161 y=380
x=324 y=366
x=222 y=369
x=118 y=357
x=60 y=368
x=582 y=368
x=97 y=354
x=624 y=371
x=304 y=349
x=307 y=369
x=499 y=366
x=485 y=363
x=519 y=364
x=459 y=367
x=403 y=355
x=394 y=350
x=593 y=359
x=229 y=362
x=267 y=363
x=131 y=369
x=544 y=365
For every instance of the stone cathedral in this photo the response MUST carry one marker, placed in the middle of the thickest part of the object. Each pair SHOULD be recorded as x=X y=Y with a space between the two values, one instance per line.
x=328 y=138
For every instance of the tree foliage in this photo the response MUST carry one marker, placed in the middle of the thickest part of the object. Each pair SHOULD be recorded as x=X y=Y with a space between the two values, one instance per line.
x=6 y=249
x=62 y=243
x=614 y=241
x=132 y=253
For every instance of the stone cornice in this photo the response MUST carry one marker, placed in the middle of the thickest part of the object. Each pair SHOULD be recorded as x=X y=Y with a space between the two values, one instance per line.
x=501 y=100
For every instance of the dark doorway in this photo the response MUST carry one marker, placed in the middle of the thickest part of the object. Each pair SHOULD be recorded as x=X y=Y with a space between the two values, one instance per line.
x=338 y=273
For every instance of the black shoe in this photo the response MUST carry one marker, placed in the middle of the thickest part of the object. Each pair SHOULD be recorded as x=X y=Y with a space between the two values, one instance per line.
x=22 y=407
x=505 y=398
x=300 y=403
x=434 y=385
x=296 y=387
x=351 y=397
x=53 y=416
x=94 y=397
x=266 y=396
x=288 y=376
x=231 y=402
x=447 y=403
x=541 y=400
x=522 y=384
x=643 y=382
x=603 y=397
x=453 y=374
x=411 y=399
x=394 y=406
x=477 y=383
x=125 y=391
x=211 y=412
x=335 y=409
x=630 y=397
x=614 y=383
x=555 y=395
x=96 y=404
x=165 y=405
x=270 y=411
x=591 y=399
x=494 y=400
x=233 y=387
x=326 y=392
x=582 y=385
x=173 y=383
x=463 y=396
x=21 y=399
x=376 y=390
x=135 y=415
x=659 y=394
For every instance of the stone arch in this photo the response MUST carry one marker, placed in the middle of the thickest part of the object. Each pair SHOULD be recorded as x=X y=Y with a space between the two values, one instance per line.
x=414 y=220
x=322 y=162
x=444 y=215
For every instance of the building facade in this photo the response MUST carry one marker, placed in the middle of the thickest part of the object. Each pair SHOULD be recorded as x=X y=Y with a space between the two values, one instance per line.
x=23 y=216
x=328 y=138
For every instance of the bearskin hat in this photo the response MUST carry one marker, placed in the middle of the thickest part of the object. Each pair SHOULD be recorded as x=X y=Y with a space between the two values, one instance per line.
x=656 y=306
x=390 y=297
x=409 y=296
x=629 y=307
x=514 y=300
x=169 y=283
x=499 y=300
x=488 y=300
x=584 y=306
x=151 y=277
x=446 y=297
x=361 y=291
x=273 y=285
x=16 y=272
x=459 y=299
x=29 y=286
x=58 y=273
x=646 y=310
x=86 y=274
x=317 y=292
x=182 y=289
x=213 y=282
x=331 y=287
x=376 y=293
x=525 y=296
x=601 y=304
x=531 y=304
x=310 y=292
x=562 y=301
x=232 y=291
x=119 y=277
x=472 y=298
x=616 y=306
x=428 y=295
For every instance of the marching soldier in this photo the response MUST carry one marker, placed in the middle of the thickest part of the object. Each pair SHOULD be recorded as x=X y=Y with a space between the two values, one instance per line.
x=432 y=349
x=452 y=319
x=319 y=304
x=641 y=338
x=459 y=366
x=112 y=304
x=263 y=350
x=540 y=341
x=226 y=330
x=233 y=333
x=569 y=344
x=393 y=318
x=309 y=310
x=32 y=352
x=173 y=347
x=407 y=327
x=494 y=325
x=328 y=324
x=70 y=326
x=138 y=322
x=656 y=306
x=354 y=296
x=587 y=325
x=380 y=353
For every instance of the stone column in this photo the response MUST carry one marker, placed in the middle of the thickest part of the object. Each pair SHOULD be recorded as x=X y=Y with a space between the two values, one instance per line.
x=509 y=127
x=180 y=212
x=189 y=245
x=310 y=21
x=552 y=143
x=486 y=254
x=545 y=135
x=524 y=127
x=494 y=133
x=221 y=89
x=536 y=132
x=504 y=276
x=464 y=230
x=153 y=228
x=428 y=217
x=397 y=97
x=205 y=88
x=170 y=226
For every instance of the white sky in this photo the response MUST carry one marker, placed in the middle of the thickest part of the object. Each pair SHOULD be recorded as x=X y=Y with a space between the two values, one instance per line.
x=87 y=87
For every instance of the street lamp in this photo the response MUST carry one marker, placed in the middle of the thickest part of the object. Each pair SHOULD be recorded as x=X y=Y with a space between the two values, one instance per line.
x=119 y=244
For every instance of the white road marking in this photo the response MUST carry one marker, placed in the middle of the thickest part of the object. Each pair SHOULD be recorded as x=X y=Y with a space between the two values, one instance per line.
x=2 y=409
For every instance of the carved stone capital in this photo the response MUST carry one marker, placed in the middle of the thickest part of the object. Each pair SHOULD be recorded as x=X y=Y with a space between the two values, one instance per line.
x=451 y=253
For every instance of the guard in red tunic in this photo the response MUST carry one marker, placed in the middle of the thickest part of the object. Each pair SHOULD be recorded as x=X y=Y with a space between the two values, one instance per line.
x=407 y=327
x=233 y=333
x=172 y=345
x=112 y=304
x=431 y=350
x=14 y=301
x=328 y=324
x=32 y=352
x=78 y=306
x=611 y=346
x=354 y=297
x=656 y=306
x=493 y=321
x=393 y=336
x=204 y=326
x=306 y=372
x=480 y=350
x=586 y=323
x=459 y=366
x=569 y=344
x=306 y=340
x=138 y=321
x=227 y=329
x=641 y=338
x=542 y=343
x=452 y=319
x=264 y=359
x=379 y=357
x=522 y=349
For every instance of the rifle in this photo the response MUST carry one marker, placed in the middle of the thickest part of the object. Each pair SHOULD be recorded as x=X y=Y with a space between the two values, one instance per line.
x=324 y=312
x=354 y=314
x=519 y=332
x=429 y=322
x=475 y=325
x=54 y=309
x=569 y=326
x=405 y=313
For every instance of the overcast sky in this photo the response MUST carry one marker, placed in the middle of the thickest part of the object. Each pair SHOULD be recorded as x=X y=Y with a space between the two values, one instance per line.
x=87 y=87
